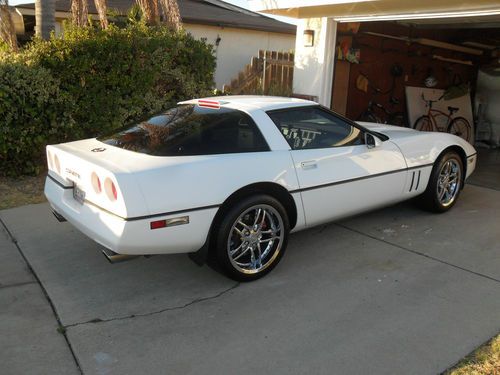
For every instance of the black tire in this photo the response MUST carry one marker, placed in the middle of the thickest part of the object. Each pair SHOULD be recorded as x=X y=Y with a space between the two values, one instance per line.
x=423 y=124
x=461 y=127
x=230 y=236
x=430 y=200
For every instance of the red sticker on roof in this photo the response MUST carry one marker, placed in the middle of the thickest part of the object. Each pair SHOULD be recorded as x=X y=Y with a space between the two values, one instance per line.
x=209 y=103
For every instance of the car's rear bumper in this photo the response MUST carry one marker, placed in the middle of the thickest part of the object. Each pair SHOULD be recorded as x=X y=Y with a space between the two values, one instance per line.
x=134 y=237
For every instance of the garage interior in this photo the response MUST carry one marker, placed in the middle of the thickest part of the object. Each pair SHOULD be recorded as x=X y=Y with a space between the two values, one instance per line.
x=385 y=67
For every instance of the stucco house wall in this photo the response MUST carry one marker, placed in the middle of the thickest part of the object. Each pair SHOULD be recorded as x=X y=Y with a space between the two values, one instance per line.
x=238 y=46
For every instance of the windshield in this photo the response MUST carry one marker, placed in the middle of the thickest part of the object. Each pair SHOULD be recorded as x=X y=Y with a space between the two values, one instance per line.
x=191 y=130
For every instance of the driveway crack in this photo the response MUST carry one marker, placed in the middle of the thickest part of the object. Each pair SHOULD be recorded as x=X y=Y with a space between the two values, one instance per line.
x=46 y=294
x=415 y=252
x=132 y=316
x=17 y=284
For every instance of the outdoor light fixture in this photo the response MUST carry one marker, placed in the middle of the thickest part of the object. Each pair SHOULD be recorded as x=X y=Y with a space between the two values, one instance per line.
x=419 y=16
x=308 y=38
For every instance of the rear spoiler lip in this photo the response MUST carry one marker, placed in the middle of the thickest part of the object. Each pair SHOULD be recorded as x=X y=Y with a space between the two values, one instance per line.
x=72 y=149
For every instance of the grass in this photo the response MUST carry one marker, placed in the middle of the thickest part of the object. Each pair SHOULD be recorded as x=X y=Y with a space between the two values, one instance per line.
x=483 y=361
x=23 y=190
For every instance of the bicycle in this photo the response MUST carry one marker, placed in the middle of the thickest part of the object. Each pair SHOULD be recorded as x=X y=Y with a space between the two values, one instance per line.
x=393 y=118
x=458 y=126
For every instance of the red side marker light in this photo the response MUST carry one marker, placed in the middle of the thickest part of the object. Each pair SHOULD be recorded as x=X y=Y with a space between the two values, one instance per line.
x=158 y=224
x=209 y=103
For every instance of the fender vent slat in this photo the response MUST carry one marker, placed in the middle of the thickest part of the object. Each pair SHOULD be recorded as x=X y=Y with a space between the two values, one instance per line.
x=412 y=180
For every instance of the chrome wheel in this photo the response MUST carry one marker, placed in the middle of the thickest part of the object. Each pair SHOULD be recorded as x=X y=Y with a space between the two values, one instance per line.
x=255 y=239
x=449 y=179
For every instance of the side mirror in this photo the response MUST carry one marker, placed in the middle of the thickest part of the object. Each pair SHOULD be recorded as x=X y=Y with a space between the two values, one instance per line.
x=372 y=141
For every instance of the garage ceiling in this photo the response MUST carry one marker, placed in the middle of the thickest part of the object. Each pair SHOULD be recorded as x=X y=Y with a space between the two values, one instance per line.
x=379 y=10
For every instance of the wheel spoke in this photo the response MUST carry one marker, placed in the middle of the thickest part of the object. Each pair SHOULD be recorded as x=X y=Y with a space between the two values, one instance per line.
x=243 y=225
x=259 y=255
x=269 y=239
x=252 y=258
x=263 y=221
x=271 y=231
x=442 y=193
x=257 y=216
x=232 y=252
x=242 y=253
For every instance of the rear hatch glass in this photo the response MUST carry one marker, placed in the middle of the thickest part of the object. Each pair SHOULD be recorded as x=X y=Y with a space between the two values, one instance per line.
x=191 y=130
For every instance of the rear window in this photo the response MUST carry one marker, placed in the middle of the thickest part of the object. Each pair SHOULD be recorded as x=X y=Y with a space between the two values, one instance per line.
x=192 y=130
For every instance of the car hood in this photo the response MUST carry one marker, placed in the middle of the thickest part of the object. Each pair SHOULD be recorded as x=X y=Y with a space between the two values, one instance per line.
x=393 y=132
x=418 y=147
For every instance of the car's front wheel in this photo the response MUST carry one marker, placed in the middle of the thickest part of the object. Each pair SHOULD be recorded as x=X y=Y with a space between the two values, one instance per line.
x=251 y=238
x=445 y=183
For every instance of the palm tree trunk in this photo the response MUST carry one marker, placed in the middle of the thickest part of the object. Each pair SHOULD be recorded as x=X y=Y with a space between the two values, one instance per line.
x=80 y=12
x=150 y=11
x=171 y=14
x=7 y=30
x=102 y=10
x=45 y=15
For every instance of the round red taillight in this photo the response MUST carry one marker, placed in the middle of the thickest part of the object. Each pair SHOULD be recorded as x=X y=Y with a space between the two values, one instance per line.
x=110 y=189
x=96 y=182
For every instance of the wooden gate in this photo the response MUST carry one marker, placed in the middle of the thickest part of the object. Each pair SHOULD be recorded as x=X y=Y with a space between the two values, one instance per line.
x=271 y=73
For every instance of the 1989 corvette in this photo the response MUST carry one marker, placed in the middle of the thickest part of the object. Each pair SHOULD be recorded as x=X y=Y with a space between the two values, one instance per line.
x=232 y=176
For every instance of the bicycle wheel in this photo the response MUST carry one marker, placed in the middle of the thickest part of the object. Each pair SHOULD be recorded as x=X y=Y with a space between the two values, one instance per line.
x=423 y=124
x=397 y=119
x=460 y=127
x=368 y=117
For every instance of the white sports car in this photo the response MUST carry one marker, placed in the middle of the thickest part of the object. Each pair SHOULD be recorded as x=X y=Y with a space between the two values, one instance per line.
x=229 y=178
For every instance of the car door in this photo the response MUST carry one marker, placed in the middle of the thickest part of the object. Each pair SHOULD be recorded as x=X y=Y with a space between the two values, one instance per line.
x=338 y=173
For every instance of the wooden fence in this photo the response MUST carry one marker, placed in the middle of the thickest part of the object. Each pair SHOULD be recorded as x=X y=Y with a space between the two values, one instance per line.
x=269 y=73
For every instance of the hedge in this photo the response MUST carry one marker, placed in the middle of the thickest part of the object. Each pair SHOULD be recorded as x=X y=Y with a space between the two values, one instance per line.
x=93 y=82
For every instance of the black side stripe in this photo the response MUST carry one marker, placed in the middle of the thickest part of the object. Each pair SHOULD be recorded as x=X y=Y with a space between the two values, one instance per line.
x=418 y=180
x=359 y=178
x=412 y=179
x=172 y=212
x=135 y=218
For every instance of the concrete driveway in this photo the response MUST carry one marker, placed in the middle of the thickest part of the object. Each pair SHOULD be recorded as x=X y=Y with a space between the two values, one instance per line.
x=395 y=291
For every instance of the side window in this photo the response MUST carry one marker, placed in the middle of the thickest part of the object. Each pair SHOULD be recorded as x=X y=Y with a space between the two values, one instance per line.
x=233 y=133
x=313 y=127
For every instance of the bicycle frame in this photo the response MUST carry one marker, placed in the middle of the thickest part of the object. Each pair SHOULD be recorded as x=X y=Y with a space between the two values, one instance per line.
x=436 y=113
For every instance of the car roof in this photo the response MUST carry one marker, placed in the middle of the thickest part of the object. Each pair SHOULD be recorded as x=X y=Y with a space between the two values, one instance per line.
x=265 y=103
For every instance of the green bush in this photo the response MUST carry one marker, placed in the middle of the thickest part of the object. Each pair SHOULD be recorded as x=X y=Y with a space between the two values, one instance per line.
x=94 y=81
x=33 y=112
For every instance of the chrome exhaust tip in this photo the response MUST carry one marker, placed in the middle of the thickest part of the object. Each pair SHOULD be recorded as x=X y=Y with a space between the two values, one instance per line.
x=60 y=218
x=113 y=257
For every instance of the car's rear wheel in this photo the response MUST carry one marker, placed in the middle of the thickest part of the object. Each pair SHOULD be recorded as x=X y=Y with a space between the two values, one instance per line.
x=251 y=238
x=445 y=183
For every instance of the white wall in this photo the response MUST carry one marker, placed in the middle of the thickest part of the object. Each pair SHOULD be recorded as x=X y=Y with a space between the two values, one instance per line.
x=488 y=93
x=238 y=46
x=313 y=72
